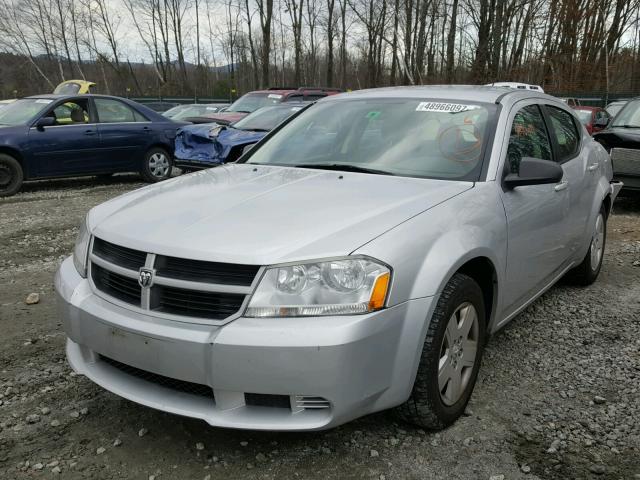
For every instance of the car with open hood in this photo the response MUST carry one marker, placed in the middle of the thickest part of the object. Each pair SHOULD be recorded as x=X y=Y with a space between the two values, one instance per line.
x=356 y=260
x=208 y=145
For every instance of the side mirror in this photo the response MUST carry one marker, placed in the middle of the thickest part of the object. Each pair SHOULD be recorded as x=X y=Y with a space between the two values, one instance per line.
x=601 y=122
x=45 y=122
x=534 y=171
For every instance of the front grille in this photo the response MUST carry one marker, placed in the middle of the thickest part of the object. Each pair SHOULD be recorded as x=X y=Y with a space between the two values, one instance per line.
x=183 y=287
x=167 y=382
x=118 y=286
x=122 y=256
x=625 y=161
x=194 y=303
x=210 y=272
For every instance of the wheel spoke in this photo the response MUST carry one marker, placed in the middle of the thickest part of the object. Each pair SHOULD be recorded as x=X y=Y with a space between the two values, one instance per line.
x=469 y=350
x=467 y=319
x=451 y=333
x=452 y=392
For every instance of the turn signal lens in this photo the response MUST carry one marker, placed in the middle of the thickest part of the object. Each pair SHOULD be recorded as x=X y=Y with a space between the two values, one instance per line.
x=379 y=293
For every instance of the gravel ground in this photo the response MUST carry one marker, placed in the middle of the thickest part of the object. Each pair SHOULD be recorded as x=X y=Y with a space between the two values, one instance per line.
x=558 y=395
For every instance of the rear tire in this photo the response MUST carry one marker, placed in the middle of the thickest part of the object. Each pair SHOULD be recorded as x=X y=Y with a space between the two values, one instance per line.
x=157 y=165
x=450 y=357
x=587 y=272
x=11 y=175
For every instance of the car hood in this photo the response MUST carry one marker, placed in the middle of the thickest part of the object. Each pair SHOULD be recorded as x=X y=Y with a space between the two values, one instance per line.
x=211 y=143
x=263 y=215
x=620 y=137
x=225 y=118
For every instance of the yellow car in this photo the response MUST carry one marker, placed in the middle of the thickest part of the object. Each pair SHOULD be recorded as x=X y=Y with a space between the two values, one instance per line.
x=74 y=87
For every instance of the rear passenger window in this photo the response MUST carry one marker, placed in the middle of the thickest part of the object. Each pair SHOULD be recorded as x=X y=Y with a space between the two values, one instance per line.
x=528 y=138
x=566 y=134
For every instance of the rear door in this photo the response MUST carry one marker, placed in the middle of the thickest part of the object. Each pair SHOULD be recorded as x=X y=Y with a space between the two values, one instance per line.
x=71 y=146
x=125 y=134
x=579 y=170
x=536 y=214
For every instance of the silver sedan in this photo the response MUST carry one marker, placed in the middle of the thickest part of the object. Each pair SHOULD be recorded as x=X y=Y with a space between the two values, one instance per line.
x=355 y=260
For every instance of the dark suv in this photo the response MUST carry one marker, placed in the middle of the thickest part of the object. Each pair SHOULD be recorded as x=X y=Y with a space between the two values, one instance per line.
x=252 y=101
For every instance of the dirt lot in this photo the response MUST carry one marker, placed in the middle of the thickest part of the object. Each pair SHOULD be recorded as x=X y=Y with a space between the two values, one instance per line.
x=558 y=395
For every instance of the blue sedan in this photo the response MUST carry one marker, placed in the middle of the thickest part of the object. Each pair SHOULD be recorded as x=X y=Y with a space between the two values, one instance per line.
x=49 y=136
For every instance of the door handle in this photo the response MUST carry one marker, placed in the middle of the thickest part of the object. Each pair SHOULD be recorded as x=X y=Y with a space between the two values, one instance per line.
x=593 y=167
x=90 y=132
x=561 y=186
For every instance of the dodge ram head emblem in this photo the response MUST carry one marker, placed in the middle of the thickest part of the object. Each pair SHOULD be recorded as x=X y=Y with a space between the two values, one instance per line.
x=145 y=277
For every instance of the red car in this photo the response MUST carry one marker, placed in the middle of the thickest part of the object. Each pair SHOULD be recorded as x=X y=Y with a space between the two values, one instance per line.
x=252 y=101
x=594 y=119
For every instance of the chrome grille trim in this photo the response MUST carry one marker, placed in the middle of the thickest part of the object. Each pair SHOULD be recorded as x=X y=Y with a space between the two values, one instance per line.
x=309 y=402
x=625 y=161
x=148 y=303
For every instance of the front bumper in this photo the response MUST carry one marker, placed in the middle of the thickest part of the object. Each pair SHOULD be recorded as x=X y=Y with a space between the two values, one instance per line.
x=355 y=364
x=194 y=164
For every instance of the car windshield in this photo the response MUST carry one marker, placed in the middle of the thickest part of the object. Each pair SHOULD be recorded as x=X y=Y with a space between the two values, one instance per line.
x=22 y=111
x=186 y=111
x=67 y=89
x=266 y=118
x=252 y=101
x=614 y=108
x=629 y=116
x=584 y=116
x=442 y=139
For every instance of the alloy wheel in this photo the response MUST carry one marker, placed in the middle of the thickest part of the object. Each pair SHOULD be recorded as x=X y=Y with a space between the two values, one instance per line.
x=159 y=165
x=597 y=243
x=458 y=353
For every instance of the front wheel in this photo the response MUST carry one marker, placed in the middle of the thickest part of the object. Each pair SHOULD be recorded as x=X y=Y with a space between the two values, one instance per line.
x=157 y=165
x=11 y=175
x=451 y=357
x=587 y=272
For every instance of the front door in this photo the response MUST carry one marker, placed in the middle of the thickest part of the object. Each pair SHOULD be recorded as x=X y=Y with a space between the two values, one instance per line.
x=69 y=147
x=537 y=243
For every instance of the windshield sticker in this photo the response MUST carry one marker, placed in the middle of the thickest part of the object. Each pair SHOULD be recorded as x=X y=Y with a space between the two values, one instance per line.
x=44 y=101
x=444 y=107
x=274 y=95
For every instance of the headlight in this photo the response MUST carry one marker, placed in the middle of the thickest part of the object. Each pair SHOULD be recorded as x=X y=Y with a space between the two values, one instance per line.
x=343 y=286
x=80 y=250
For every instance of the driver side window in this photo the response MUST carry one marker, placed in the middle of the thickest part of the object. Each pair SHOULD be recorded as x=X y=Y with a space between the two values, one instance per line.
x=71 y=113
x=529 y=138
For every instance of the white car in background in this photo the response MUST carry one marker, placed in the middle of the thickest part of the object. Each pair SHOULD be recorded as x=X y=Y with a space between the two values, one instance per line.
x=517 y=86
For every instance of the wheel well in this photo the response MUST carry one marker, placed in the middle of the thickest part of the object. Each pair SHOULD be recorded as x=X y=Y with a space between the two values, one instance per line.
x=14 y=153
x=483 y=272
x=163 y=146
x=607 y=204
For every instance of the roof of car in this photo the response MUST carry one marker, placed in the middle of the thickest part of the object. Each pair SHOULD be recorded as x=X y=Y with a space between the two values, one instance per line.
x=466 y=93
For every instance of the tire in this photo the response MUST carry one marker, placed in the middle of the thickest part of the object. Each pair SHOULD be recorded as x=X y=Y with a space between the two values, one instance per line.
x=11 y=175
x=429 y=405
x=587 y=272
x=157 y=165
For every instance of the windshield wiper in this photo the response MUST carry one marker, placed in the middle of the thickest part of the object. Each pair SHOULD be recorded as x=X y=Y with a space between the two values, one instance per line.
x=253 y=129
x=346 y=168
x=626 y=126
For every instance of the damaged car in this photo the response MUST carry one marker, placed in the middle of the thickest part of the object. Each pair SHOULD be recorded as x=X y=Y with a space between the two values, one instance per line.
x=208 y=145
x=355 y=261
